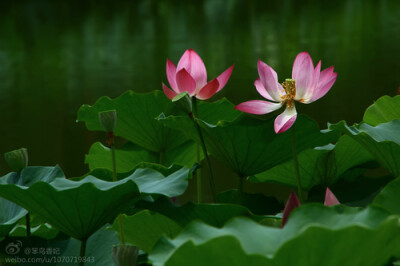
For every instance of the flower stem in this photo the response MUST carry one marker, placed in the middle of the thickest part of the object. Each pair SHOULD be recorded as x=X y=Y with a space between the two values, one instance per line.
x=82 y=253
x=203 y=146
x=199 y=184
x=114 y=163
x=296 y=165
x=28 y=224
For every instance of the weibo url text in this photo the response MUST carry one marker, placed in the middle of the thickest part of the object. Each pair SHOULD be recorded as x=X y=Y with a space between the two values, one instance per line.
x=52 y=259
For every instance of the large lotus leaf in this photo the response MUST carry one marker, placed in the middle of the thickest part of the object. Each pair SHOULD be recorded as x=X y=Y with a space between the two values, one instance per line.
x=214 y=248
x=144 y=228
x=108 y=175
x=250 y=146
x=384 y=110
x=136 y=123
x=389 y=197
x=131 y=155
x=126 y=157
x=79 y=208
x=319 y=166
x=11 y=213
x=60 y=252
x=135 y=119
x=215 y=112
x=382 y=141
x=314 y=235
x=153 y=182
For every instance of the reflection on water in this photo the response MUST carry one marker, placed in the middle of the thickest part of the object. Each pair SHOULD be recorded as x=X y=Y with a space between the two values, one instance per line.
x=55 y=56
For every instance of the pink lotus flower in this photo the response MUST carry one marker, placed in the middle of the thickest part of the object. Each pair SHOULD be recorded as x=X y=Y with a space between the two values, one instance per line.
x=307 y=85
x=191 y=76
x=293 y=202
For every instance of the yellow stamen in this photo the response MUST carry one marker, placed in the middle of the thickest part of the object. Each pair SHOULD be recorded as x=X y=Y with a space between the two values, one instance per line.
x=290 y=88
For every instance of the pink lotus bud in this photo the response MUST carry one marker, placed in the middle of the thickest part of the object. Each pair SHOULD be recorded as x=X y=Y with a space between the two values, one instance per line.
x=190 y=75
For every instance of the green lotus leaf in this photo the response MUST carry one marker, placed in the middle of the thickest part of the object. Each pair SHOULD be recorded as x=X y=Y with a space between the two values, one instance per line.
x=11 y=213
x=144 y=228
x=319 y=166
x=130 y=155
x=136 y=123
x=126 y=157
x=153 y=182
x=216 y=112
x=384 y=110
x=314 y=235
x=388 y=198
x=250 y=146
x=108 y=175
x=79 y=208
x=382 y=141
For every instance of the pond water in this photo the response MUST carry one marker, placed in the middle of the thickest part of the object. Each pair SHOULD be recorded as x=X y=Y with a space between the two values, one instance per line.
x=57 y=55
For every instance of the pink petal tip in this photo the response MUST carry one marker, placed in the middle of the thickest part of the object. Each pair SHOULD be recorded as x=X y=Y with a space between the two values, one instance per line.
x=258 y=107
x=330 y=198
x=285 y=120
x=291 y=204
x=224 y=77
x=208 y=90
x=168 y=92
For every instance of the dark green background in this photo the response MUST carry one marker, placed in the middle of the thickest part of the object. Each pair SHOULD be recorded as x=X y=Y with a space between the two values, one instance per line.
x=57 y=55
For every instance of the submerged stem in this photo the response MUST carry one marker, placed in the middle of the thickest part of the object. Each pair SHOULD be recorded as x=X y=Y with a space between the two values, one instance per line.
x=296 y=165
x=204 y=148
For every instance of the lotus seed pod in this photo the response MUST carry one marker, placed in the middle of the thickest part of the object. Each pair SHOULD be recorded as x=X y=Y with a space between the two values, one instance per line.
x=183 y=101
x=125 y=255
x=108 y=120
